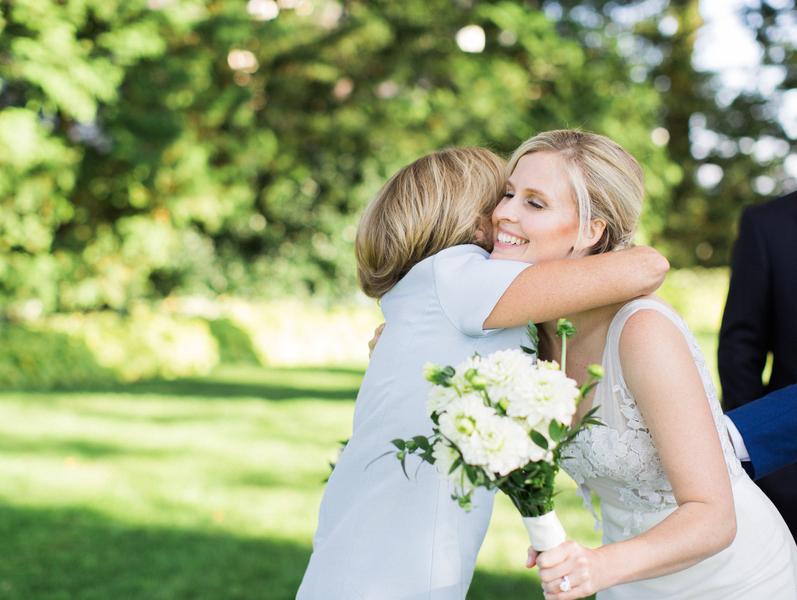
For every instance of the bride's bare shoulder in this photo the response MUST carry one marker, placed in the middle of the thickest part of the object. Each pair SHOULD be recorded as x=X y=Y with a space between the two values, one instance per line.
x=649 y=336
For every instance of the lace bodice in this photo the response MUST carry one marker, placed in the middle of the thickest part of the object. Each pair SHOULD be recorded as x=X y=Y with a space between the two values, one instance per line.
x=619 y=461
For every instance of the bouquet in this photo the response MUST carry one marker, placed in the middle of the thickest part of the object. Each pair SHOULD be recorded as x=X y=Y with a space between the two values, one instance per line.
x=500 y=422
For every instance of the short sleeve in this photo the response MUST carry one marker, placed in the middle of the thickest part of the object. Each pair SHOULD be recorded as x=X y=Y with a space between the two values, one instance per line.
x=469 y=285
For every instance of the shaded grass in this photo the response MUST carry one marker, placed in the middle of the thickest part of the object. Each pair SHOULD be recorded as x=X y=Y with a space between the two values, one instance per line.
x=244 y=381
x=77 y=553
x=201 y=488
x=91 y=557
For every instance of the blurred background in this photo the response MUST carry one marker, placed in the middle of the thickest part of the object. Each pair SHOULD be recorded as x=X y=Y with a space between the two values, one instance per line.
x=181 y=335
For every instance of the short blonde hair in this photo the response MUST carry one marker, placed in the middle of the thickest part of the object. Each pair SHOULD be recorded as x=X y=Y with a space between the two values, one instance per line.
x=435 y=203
x=607 y=181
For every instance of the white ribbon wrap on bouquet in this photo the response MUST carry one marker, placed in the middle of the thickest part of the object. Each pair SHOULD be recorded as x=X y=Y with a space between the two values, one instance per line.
x=545 y=532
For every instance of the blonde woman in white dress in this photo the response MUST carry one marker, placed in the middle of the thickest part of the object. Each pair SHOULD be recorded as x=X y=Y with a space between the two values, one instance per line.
x=681 y=518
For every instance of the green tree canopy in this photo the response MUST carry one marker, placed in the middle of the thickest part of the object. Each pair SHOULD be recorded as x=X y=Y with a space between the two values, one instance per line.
x=177 y=145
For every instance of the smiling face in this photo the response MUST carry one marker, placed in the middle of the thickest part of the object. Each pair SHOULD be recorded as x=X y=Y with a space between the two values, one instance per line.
x=537 y=218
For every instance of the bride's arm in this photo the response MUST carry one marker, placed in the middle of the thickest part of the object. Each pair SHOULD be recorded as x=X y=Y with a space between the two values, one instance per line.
x=661 y=374
x=557 y=288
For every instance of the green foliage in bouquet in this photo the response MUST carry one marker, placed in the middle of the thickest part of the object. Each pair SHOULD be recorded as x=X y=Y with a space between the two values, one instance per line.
x=531 y=488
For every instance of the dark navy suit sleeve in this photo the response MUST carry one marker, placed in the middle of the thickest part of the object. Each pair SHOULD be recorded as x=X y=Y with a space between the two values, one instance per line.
x=768 y=427
x=744 y=334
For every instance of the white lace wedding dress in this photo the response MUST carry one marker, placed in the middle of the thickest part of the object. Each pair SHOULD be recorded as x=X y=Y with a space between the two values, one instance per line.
x=620 y=464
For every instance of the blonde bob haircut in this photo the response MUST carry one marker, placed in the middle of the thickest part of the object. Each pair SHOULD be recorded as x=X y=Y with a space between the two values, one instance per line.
x=607 y=182
x=435 y=203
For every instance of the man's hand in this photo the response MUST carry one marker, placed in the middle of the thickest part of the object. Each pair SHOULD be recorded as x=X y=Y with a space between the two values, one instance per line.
x=375 y=339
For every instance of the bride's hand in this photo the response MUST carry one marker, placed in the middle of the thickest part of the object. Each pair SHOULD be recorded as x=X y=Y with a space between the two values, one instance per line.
x=573 y=561
x=531 y=561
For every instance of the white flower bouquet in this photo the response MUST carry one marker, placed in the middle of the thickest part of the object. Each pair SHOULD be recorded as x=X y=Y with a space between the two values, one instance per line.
x=499 y=422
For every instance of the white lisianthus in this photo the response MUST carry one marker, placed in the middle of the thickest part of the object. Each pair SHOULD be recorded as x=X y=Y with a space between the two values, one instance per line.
x=500 y=369
x=488 y=440
x=461 y=423
x=440 y=397
x=546 y=395
x=444 y=458
x=506 y=445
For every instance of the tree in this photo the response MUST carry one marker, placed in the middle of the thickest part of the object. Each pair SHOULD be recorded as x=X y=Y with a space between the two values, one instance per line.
x=729 y=146
x=221 y=147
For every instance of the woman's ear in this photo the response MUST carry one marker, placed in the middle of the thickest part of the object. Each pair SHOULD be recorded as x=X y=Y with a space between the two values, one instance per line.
x=484 y=233
x=593 y=234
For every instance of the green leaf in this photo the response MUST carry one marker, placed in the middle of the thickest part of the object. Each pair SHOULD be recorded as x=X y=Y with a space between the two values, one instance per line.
x=555 y=430
x=402 y=456
x=590 y=414
x=421 y=441
x=455 y=465
x=534 y=338
x=539 y=439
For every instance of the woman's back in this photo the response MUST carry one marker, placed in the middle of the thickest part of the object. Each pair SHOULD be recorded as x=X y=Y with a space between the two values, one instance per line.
x=380 y=534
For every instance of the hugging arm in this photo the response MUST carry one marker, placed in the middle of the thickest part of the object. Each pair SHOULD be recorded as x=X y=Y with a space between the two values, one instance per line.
x=553 y=289
x=663 y=378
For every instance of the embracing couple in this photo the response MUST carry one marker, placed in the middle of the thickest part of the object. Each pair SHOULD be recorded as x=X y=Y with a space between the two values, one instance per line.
x=462 y=251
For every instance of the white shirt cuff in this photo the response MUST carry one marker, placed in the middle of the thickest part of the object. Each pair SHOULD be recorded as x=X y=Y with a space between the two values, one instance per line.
x=736 y=440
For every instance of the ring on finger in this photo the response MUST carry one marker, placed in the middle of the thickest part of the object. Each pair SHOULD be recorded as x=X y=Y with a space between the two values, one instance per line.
x=564 y=585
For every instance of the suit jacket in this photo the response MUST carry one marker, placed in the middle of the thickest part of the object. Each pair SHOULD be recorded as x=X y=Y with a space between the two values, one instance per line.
x=761 y=317
x=761 y=311
x=768 y=428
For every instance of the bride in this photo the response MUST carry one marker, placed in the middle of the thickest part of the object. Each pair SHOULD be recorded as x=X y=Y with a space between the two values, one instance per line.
x=681 y=518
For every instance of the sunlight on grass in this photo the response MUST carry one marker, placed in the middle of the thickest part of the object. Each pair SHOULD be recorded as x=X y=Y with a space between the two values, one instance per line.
x=197 y=488
x=239 y=456
x=235 y=461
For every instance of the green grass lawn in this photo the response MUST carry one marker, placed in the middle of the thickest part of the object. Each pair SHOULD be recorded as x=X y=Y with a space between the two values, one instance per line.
x=205 y=488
